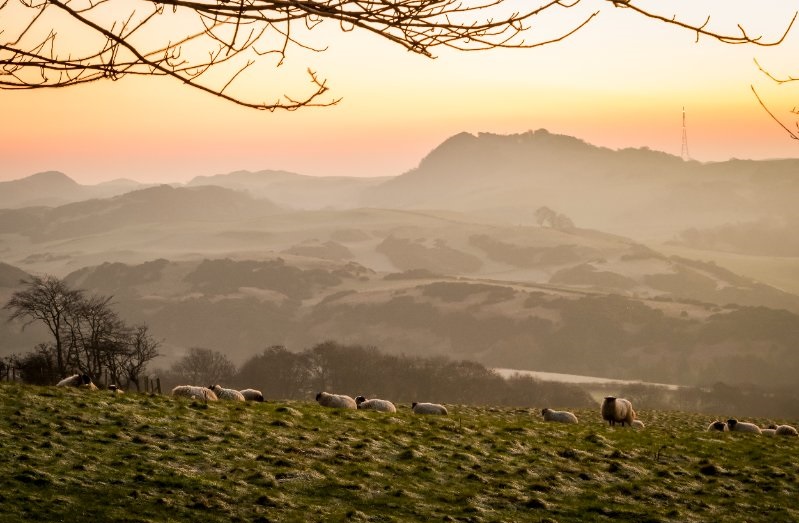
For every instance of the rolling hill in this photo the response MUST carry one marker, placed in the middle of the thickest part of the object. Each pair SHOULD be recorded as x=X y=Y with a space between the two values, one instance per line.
x=53 y=188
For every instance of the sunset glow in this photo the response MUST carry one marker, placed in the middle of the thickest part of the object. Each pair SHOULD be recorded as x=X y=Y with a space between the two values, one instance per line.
x=620 y=82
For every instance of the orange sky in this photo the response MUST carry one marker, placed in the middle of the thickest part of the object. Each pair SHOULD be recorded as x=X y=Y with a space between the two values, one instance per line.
x=620 y=82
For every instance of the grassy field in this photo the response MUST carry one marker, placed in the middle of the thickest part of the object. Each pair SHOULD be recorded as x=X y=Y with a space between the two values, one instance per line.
x=72 y=455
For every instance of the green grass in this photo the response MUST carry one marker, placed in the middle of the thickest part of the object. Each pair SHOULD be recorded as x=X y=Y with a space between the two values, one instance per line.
x=67 y=454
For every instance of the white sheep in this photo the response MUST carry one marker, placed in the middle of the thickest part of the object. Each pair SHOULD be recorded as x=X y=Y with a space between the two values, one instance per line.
x=227 y=394
x=252 y=395
x=375 y=404
x=617 y=410
x=429 y=408
x=770 y=431
x=77 y=380
x=194 y=392
x=336 y=401
x=719 y=426
x=558 y=415
x=638 y=424
x=740 y=426
x=785 y=430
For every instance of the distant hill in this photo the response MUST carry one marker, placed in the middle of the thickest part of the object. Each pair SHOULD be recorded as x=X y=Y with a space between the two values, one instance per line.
x=53 y=188
x=155 y=206
x=293 y=190
x=639 y=193
x=10 y=276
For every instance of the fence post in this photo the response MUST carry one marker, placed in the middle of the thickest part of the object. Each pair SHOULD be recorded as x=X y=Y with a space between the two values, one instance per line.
x=158 y=384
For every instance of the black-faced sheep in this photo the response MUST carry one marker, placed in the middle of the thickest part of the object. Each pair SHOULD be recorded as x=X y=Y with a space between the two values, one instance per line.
x=561 y=416
x=617 y=410
x=375 y=404
x=77 y=380
x=740 y=426
x=194 y=392
x=115 y=390
x=252 y=395
x=336 y=401
x=429 y=408
x=719 y=426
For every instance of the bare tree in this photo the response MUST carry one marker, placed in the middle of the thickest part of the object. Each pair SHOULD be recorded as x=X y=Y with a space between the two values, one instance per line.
x=141 y=349
x=49 y=300
x=95 y=333
x=210 y=44
x=204 y=367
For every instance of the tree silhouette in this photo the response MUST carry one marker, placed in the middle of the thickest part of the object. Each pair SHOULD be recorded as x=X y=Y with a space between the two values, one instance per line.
x=211 y=45
x=204 y=367
x=49 y=300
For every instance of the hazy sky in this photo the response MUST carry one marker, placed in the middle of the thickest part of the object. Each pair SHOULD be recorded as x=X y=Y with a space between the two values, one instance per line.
x=620 y=82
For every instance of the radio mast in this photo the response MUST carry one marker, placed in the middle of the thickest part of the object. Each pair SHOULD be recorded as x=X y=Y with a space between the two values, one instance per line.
x=684 y=152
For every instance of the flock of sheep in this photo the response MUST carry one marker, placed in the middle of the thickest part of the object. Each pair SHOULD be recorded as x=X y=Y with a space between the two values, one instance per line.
x=733 y=425
x=613 y=410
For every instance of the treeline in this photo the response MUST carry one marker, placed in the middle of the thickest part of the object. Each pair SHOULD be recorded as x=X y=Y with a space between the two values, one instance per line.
x=87 y=336
x=359 y=370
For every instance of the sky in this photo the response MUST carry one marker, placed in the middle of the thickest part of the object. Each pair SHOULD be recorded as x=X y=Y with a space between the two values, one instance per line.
x=622 y=81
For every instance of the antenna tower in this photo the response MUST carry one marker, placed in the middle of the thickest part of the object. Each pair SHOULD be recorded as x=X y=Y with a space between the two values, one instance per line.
x=684 y=152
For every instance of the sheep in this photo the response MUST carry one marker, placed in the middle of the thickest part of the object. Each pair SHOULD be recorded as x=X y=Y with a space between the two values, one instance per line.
x=115 y=390
x=227 y=394
x=637 y=424
x=336 y=401
x=770 y=431
x=558 y=415
x=252 y=395
x=717 y=426
x=617 y=410
x=194 y=392
x=375 y=404
x=429 y=408
x=77 y=380
x=785 y=430
x=740 y=426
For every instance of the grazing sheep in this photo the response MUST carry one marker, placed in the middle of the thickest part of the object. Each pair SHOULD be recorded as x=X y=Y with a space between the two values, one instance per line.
x=637 y=424
x=558 y=415
x=77 y=380
x=785 y=430
x=194 y=392
x=375 y=404
x=770 y=431
x=740 y=426
x=429 y=408
x=336 y=401
x=252 y=395
x=718 y=426
x=115 y=390
x=227 y=394
x=617 y=410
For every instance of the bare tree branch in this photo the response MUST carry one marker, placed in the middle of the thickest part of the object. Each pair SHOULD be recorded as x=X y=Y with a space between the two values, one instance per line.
x=793 y=135
x=227 y=37
x=702 y=29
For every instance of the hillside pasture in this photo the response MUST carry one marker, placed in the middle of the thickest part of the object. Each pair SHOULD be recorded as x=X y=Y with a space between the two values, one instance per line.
x=68 y=454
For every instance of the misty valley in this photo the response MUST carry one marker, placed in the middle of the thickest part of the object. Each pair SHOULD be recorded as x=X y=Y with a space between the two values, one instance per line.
x=534 y=251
